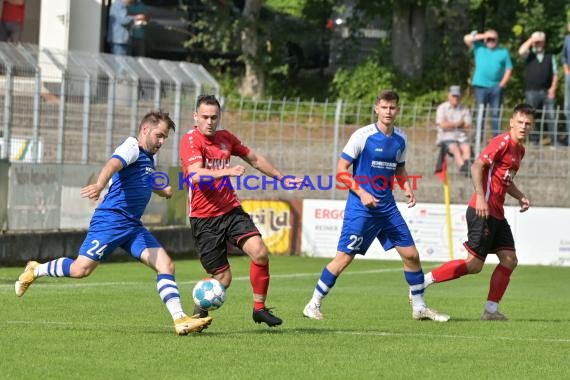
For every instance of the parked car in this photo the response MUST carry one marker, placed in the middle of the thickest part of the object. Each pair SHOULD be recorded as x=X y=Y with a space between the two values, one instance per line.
x=166 y=30
x=295 y=42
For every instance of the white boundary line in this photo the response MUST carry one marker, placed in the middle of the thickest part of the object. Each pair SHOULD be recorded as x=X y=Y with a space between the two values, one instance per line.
x=285 y=276
x=74 y=283
x=439 y=335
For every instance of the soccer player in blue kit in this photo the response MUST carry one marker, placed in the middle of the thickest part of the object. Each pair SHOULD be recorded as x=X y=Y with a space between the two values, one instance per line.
x=377 y=152
x=117 y=221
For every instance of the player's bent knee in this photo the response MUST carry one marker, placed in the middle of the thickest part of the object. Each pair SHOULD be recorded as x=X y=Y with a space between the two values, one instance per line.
x=510 y=263
x=166 y=267
x=261 y=258
x=411 y=260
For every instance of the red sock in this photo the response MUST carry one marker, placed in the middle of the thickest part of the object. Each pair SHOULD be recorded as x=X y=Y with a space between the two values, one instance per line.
x=499 y=282
x=450 y=271
x=259 y=278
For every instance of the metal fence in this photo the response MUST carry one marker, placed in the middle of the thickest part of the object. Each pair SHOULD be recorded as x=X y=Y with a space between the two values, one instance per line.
x=306 y=137
x=73 y=108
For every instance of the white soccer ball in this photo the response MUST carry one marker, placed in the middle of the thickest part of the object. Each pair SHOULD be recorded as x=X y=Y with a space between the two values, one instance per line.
x=209 y=294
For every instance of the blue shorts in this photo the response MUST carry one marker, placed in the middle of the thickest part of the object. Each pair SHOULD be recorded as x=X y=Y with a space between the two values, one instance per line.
x=360 y=229
x=105 y=236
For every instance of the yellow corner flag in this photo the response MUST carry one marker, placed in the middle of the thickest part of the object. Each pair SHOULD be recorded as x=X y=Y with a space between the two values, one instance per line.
x=441 y=172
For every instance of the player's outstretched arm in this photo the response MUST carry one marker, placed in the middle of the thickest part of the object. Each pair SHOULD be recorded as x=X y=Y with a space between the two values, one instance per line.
x=262 y=164
x=165 y=193
x=514 y=192
x=199 y=174
x=94 y=190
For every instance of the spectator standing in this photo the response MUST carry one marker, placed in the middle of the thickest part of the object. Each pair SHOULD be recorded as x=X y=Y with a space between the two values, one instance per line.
x=138 y=28
x=12 y=20
x=541 y=79
x=493 y=69
x=453 y=129
x=119 y=27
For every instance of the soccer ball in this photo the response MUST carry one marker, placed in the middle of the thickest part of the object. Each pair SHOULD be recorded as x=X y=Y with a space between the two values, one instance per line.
x=209 y=294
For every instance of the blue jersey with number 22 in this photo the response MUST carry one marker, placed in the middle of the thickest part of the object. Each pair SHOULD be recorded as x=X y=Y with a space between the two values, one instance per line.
x=374 y=157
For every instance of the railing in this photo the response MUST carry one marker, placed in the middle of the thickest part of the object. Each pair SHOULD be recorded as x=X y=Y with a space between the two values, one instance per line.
x=72 y=109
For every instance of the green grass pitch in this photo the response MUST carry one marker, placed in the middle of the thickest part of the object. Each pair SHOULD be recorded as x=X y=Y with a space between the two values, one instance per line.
x=113 y=325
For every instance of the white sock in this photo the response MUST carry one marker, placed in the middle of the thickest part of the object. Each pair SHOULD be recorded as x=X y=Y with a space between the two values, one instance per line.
x=418 y=302
x=428 y=280
x=168 y=292
x=315 y=301
x=41 y=270
x=175 y=308
x=318 y=296
x=491 y=307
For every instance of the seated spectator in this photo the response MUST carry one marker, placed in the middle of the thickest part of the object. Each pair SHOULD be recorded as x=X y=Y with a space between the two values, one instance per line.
x=454 y=129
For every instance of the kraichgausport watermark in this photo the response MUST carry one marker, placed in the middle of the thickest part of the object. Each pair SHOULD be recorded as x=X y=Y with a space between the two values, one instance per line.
x=341 y=181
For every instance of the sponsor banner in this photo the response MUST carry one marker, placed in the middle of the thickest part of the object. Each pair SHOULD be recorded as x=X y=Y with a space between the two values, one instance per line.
x=21 y=150
x=538 y=240
x=542 y=235
x=273 y=219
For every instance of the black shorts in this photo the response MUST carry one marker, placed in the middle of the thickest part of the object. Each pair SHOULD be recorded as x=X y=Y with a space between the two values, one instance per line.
x=486 y=236
x=211 y=236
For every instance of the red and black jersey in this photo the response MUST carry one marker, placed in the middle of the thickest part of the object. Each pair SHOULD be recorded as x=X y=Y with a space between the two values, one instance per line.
x=502 y=158
x=210 y=198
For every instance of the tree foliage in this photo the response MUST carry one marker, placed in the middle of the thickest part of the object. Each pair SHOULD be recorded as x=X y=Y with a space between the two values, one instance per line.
x=443 y=59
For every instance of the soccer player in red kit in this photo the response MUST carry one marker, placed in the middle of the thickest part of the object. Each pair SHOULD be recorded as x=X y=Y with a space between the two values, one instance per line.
x=487 y=229
x=216 y=216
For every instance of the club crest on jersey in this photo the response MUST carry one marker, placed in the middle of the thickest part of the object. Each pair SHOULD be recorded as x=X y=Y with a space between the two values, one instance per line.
x=149 y=170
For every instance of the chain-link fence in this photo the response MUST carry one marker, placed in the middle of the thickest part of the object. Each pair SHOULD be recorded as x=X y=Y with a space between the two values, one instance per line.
x=306 y=137
x=73 y=108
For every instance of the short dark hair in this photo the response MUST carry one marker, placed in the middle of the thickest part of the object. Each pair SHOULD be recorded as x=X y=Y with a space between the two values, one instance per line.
x=155 y=117
x=525 y=109
x=207 y=99
x=388 y=95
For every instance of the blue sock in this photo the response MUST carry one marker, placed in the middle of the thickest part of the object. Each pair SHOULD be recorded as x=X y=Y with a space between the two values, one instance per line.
x=416 y=282
x=168 y=292
x=55 y=268
x=324 y=285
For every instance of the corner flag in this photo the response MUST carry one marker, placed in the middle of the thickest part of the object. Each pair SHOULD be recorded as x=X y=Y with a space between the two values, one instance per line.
x=441 y=172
